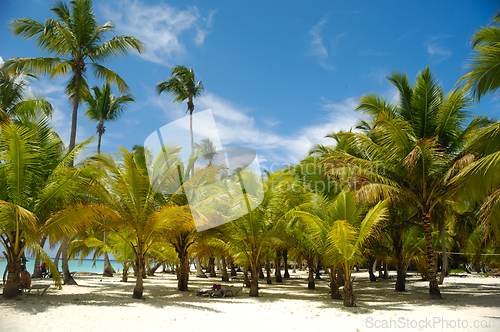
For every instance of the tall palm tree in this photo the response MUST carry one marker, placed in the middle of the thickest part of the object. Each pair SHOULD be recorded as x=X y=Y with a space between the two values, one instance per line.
x=104 y=106
x=183 y=86
x=484 y=70
x=208 y=150
x=419 y=141
x=77 y=43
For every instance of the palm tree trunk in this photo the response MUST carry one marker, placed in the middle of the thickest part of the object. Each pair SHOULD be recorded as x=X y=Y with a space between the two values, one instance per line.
x=318 y=266
x=311 y=284
x=225 y=277
x=37 y=272
x=268 y=273
x=125 y=272
x=11 y=288
x=233 y=268
x=285 y=260
x=340 y=277
x=56 y=259
x=212 y=266
x=182 y=284
x=433 y=283
x=74 y=116
x=277 y=273
x=334 y=286
x=348 y=293
x=254 y=285
x=139 y=287
x=444 y=269
x=152 y=270
x=261 y=272
x=67 y=277
x=245 y=275
x=191 y=126
x=199 y=271
x=371 y=262
x=108 y=269
x=397 y=242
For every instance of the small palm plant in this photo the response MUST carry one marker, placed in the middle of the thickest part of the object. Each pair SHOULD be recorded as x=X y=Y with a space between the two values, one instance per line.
x=346 y=226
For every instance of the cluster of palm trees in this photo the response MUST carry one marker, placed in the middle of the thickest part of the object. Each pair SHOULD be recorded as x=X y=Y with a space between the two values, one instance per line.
x=417 y=177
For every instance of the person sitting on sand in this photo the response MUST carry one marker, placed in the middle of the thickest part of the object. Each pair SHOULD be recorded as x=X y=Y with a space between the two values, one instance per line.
x=43 y=269
x=25 y=281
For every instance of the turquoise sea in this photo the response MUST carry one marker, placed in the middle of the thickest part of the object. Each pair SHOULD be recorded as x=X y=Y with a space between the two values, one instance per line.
x=74 y=266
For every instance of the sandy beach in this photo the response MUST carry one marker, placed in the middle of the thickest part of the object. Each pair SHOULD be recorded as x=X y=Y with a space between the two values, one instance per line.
x=469 y=303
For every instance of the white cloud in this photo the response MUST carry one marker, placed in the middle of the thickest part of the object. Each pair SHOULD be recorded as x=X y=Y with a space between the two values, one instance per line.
x=236 y=127
x=317 y=47
x=437 y=50
x=160 y=26
x=1 y=60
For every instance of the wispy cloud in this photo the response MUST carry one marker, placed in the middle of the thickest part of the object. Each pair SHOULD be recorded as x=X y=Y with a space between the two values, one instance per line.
x=317 y=47
x=162 y=27
x=236 y=127
x=435 y=49
x=1 y=60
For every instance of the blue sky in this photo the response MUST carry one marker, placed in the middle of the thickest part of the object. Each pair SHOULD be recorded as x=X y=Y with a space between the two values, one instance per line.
x=278 y=75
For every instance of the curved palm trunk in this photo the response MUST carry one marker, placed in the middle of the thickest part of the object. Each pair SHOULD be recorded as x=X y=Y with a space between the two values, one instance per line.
x=433 y=283
x=152 y=270
x=199 y=271
x=212 y=267
x=371 y=262
x=56 y=259
x=108 y=269
x=286 y=275
x=68 y=278
x=225 y=277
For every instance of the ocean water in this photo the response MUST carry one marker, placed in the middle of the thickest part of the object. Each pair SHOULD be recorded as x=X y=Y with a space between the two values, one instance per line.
x=74 y=266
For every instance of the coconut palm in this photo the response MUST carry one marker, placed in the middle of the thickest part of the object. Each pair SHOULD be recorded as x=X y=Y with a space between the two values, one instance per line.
x=484 y=70
x=144 y=215
x=13 y=99
x=77 y=43
x=104 y=106
x=208 y=150
x=419 y=142
x=183 y=86
x=344 y=227
x=35 y=183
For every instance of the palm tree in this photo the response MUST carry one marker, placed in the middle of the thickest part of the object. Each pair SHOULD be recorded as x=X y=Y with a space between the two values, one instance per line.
x=137 y=208
x=104 y=106
x=345 y=227
x=34 y=184
x=182 y=85
x=208 y=150
x=76 y=41
x=419 y=141
x=13 y=99
x=484 y=70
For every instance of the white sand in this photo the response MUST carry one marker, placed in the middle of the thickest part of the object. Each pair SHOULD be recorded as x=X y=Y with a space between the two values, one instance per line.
x=107 y=305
